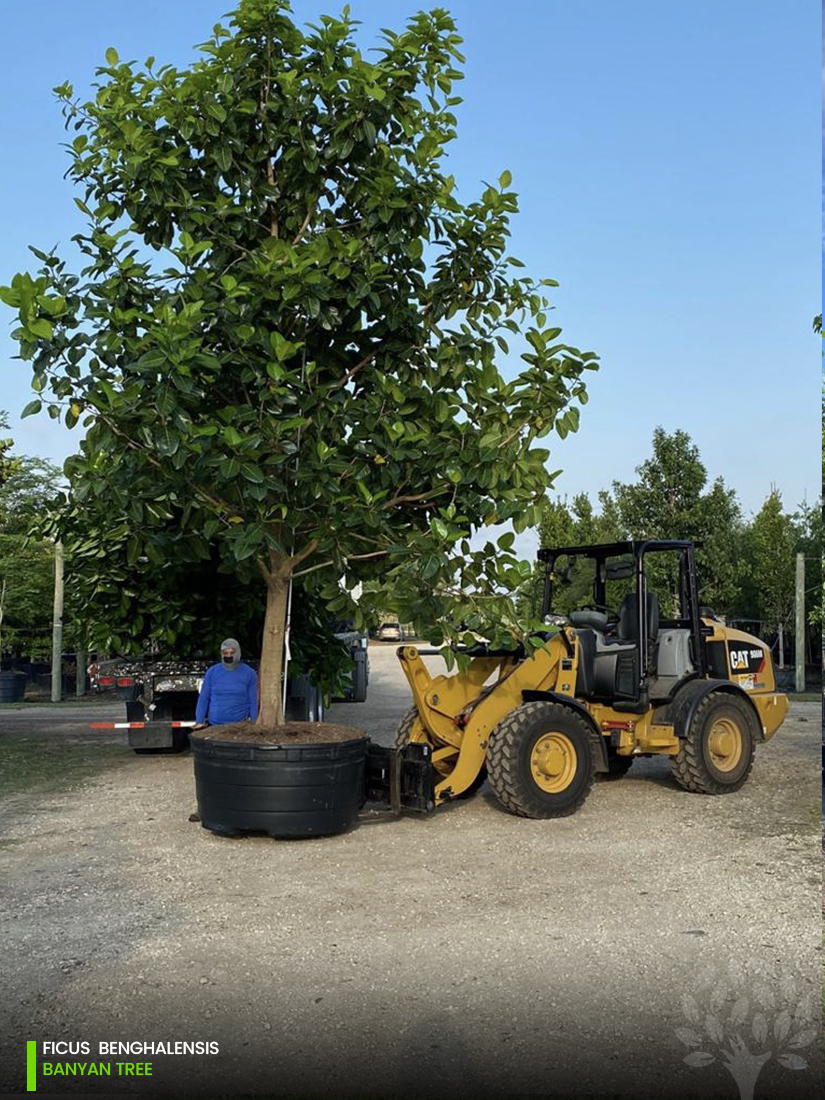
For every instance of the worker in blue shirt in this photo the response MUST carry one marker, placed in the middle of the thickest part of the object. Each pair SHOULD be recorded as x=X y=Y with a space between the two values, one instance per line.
x=229 y=692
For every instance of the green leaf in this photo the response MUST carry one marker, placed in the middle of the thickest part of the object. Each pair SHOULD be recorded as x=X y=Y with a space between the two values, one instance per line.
x=32 y=408
x=109 y=390
x=112 y=56
x=223 y=158
x=152 y=359
x=440 y=528
x=42 y=328
x=505 y=179
x=369 y=132
x=252 y=473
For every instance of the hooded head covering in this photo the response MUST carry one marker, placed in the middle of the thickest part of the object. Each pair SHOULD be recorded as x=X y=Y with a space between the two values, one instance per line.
x=231 y=643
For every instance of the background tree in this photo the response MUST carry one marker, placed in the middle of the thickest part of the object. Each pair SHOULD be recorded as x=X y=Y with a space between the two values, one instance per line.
x=576 y=524
x=774 y=543
x=283 y=344
x=8 y=463
x=26 y=561
x=671 y=500
x=806 y=524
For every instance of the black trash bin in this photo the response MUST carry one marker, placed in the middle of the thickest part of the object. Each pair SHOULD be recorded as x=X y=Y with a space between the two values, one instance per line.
x=282 y=790
x=12 y=687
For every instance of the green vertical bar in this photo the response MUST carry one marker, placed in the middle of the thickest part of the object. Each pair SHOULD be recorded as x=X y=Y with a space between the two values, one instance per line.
x=31 y=1067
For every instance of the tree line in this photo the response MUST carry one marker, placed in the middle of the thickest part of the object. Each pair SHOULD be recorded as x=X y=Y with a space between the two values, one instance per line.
x=746 y=566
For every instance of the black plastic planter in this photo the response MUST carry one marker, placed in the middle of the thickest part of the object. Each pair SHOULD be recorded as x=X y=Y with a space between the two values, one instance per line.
x=285 y=791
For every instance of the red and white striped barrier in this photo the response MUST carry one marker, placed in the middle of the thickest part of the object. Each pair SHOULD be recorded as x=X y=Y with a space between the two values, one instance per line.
x=136 y=725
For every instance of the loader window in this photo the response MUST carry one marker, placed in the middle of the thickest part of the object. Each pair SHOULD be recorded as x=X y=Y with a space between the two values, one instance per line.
x=573 y=584
x=620 y=581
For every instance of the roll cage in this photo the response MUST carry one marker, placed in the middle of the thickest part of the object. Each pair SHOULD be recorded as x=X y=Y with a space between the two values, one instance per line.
x=689 y=616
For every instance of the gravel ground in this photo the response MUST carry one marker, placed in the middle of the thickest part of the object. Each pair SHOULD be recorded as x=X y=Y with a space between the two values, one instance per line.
x=468 y=953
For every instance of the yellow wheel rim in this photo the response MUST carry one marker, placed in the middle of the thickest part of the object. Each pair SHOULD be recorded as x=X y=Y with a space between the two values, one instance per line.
x=553 y=762
x=725 y=744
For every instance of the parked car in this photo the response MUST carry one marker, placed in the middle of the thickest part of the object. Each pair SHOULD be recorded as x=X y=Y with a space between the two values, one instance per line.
x=390 y=632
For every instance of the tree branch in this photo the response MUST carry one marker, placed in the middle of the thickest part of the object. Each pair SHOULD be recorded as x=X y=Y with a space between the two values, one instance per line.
x=409 y=499
x=306 y=222
x=363 y=362
x=350 y=557
x=296 y=559
x=513 y=434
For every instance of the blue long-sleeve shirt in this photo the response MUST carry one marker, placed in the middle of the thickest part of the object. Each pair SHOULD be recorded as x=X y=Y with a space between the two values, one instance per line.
x=228 y=695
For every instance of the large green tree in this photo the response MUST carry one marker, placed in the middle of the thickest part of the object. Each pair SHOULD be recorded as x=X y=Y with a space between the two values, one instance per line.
x=284 y=343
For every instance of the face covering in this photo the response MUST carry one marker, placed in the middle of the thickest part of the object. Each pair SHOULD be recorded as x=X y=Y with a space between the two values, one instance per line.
x=231 y=643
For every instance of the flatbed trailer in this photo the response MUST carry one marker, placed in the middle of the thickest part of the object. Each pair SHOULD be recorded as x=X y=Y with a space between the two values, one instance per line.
x=161 y=696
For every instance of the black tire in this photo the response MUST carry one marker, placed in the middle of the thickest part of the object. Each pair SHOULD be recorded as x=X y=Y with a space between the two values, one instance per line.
x=511 y=760
x=617 y=766
x=402 y=733
x=698 y=767
x=402 y=738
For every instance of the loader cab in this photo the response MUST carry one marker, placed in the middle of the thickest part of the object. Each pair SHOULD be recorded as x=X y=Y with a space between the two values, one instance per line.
x=636 y=615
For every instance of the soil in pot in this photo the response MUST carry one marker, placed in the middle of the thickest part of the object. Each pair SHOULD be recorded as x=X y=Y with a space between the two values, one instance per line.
x=288 y=733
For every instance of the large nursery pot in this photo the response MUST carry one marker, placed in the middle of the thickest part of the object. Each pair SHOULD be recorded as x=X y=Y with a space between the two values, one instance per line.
x=289 y=790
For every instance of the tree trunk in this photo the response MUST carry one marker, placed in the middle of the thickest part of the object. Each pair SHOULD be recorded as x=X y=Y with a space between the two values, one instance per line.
x=272 y=650
x=781 y=647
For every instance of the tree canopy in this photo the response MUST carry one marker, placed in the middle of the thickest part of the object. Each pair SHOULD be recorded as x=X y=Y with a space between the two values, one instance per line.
x=284 y=343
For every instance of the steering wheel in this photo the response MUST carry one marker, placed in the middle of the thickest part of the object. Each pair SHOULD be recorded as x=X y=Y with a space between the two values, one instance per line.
x=597 y=607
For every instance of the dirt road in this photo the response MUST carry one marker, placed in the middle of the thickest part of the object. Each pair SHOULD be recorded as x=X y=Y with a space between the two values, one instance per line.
x=468 y=953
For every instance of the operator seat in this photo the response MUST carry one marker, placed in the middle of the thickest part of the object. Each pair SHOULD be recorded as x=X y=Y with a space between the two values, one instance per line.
x=609 y=660
x=628 y=626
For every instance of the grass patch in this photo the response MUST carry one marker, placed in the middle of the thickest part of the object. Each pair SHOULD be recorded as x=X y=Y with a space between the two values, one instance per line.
x=804 y=696
x=30 y=760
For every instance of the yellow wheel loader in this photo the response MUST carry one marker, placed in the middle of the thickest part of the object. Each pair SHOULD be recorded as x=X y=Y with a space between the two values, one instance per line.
x=606 y=685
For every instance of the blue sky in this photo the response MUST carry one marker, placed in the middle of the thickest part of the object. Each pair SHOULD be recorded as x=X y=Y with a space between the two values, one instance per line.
x=666 y=159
